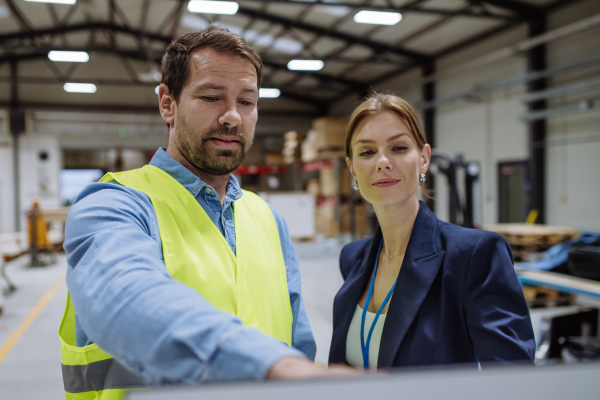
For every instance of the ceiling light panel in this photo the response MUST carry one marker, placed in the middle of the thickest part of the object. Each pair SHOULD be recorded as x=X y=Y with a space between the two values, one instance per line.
x=68 y=56
x=306 y=65
x=213 y=7
x=269 y=93
x=79 y=87
x=377 y=17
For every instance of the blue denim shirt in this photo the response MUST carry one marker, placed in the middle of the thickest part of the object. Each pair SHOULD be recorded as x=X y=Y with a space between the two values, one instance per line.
x=129 y=305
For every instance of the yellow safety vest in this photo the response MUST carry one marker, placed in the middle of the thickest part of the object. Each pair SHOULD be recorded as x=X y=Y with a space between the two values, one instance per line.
x=250 y=284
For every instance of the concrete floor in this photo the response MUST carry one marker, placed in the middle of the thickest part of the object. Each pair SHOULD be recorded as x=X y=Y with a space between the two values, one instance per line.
x=30 y=370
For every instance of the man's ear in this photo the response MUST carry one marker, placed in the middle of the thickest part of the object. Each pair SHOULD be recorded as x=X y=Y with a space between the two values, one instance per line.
x=166 y=104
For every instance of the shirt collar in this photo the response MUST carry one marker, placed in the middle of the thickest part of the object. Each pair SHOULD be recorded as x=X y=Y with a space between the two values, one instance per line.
x=188 y=180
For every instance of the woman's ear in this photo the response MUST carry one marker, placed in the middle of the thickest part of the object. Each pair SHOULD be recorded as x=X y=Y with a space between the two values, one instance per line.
x=425 y=158
x=166 y=104
x=349 y=164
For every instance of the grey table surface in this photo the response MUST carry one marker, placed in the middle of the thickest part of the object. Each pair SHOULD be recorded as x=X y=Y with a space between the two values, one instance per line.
x=575 y=381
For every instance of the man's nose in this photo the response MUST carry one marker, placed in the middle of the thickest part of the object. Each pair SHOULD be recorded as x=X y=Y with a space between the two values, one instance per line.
x=231 y=117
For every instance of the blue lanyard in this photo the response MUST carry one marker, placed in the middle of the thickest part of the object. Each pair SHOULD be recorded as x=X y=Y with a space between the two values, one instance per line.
x=365 y=347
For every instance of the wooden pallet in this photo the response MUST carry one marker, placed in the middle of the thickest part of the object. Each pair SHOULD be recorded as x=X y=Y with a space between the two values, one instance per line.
x=533 y=236
x=526 y=255
x=331 y=153
x=537 y=296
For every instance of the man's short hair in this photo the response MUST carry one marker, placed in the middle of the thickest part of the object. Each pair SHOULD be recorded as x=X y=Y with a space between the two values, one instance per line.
x=175 y=62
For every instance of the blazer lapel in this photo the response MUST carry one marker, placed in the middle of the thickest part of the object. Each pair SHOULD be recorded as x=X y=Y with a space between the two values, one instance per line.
x=348 y=297
x=419 y=269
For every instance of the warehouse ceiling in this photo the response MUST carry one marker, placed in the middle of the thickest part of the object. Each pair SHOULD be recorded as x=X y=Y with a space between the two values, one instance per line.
x=126 y=40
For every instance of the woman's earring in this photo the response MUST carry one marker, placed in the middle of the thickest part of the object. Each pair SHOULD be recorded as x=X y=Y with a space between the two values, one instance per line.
x=422 y=178
x=355 y=186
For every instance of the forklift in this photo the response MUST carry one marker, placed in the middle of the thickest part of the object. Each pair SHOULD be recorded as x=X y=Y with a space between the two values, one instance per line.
x=462 y=210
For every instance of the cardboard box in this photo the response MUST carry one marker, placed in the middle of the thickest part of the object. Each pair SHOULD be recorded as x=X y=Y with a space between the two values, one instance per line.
x=328 y=182
x=330 y=132
x=309 y=147
x=314 y=187
x=345 y=181
x=274 y=159
x=298 y=210
x=326 y=223
x=360 y=215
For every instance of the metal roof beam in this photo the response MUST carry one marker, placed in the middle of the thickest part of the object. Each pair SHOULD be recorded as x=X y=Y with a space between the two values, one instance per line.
x=84 y=27
x=522 y=9
x=314 y=102
x=131 y=83
x=401 y=9
x=20 y=17
x=279 y=58
x=42 y=53
x=351 y=40
x=320 y=76
x=128 y=108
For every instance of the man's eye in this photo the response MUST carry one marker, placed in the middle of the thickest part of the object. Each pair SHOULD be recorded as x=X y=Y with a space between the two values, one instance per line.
x=246 y=103
x=210 y=98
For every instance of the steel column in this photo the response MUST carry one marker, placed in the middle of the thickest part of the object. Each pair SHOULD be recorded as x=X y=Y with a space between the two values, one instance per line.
x=429 y=121
x=537 y=129
x=15 y=129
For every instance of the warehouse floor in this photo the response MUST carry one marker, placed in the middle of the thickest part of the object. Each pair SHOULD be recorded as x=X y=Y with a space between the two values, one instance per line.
x=29 y=349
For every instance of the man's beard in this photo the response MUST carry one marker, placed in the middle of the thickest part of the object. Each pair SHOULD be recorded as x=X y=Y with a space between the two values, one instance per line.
x=211 y=159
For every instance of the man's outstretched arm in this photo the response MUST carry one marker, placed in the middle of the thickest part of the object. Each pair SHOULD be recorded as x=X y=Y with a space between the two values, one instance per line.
x=130 y=306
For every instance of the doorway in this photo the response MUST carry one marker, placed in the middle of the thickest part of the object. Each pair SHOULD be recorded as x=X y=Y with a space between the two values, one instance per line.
x=514 y=191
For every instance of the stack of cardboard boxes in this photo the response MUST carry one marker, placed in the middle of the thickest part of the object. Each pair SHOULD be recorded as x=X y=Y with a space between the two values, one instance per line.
x=325 y=143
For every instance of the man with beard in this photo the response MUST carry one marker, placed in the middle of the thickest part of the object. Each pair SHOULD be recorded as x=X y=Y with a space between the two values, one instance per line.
x=178 y=275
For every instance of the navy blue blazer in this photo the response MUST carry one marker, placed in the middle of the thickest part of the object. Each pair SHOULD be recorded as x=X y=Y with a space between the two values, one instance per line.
x=457 y=299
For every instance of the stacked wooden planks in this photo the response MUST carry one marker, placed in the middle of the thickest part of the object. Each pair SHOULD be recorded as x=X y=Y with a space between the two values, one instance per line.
x=529 y=241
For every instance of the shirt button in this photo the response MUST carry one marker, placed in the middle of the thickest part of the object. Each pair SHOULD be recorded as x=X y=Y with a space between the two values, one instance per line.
x=207 y=190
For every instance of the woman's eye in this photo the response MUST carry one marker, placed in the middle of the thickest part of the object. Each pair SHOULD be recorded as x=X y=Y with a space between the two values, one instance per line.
x=365 y=153
x=400 y=148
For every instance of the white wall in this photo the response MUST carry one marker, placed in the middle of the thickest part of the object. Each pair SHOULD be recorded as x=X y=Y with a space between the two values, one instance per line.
x=6 y=186
x=51 y=132
x=573 y=170
x=39 y=178
x=485 y=128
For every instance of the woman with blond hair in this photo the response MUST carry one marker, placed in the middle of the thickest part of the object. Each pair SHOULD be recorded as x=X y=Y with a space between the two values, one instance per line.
x=420 y=291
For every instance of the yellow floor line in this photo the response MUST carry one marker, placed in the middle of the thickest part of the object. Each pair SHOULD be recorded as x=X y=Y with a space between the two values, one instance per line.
x=14 y=338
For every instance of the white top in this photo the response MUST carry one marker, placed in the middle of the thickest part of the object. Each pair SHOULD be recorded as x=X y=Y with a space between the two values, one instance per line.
x=353 y=347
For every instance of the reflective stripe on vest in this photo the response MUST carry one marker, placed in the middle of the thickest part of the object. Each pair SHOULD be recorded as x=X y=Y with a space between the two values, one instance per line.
x=100 y=375
x=250 y=284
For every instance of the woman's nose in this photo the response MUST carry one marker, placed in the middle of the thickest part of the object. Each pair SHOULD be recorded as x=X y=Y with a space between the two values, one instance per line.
x=383 y=164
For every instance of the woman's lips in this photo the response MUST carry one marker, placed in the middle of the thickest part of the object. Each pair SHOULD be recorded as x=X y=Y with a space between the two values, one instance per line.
x=383 y=183
x=225 y=144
